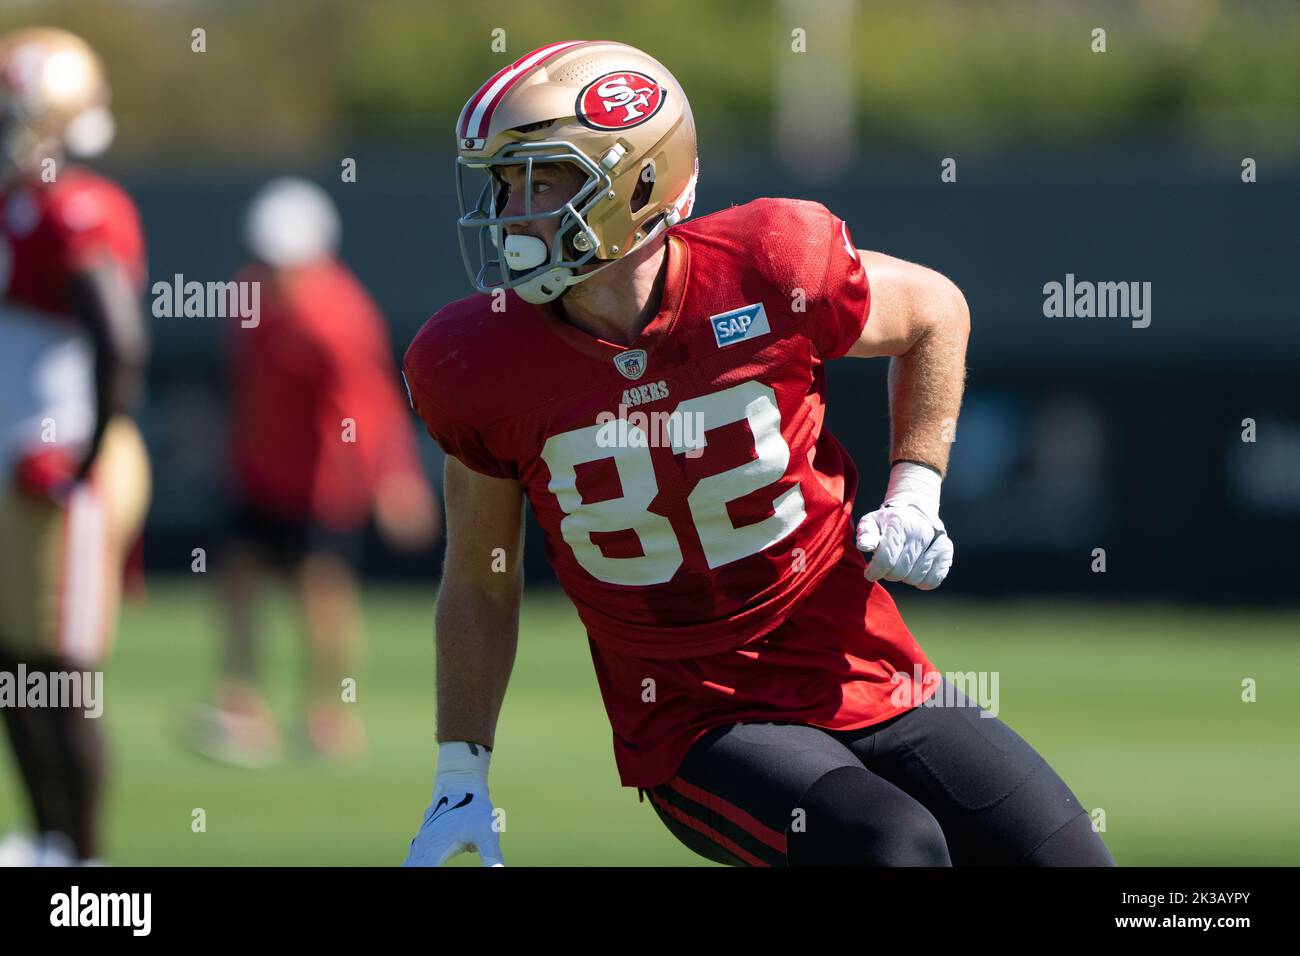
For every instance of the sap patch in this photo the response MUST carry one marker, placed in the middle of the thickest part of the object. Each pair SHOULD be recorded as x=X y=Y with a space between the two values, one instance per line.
x=738 y=325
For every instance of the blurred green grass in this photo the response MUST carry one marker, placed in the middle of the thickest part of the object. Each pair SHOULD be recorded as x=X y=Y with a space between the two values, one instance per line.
x=1138 y=707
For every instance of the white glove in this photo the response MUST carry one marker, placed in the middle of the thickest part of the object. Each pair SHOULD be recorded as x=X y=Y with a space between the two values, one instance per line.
x=909 y=541
x=460 y=817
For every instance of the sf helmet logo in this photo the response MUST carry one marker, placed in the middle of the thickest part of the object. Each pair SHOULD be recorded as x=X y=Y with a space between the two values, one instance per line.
x=619 y=100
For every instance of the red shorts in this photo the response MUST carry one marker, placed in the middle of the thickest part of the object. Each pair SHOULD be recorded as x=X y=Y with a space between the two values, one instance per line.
x=829 y=664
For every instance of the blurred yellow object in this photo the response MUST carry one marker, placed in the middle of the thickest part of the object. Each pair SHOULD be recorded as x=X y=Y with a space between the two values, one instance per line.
x=61 y=561
x=53 y=97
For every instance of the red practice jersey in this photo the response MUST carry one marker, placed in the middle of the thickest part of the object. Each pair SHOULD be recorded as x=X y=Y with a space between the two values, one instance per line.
x=696 y=510
x=49 y=232
x=318 y=417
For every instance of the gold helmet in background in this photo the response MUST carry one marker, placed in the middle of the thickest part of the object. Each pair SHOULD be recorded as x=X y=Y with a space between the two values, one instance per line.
x=53 y=98
x=611 y=110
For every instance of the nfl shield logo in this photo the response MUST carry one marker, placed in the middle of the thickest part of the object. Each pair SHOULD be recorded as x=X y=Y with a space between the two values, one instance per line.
x=631 y=363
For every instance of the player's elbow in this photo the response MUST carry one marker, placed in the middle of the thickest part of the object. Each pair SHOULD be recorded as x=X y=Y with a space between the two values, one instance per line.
x=910 y=304
x=495 y=578
x=944 y=308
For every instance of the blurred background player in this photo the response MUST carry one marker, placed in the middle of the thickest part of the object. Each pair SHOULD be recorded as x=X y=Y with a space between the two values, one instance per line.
x=74 y=476
x=320 y=441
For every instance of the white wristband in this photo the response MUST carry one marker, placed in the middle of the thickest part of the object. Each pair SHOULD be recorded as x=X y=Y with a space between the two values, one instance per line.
x=461 y=760
x=910 y=483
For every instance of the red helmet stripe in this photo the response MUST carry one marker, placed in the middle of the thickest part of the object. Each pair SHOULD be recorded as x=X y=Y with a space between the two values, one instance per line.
x=473 y=100
x=477 y=114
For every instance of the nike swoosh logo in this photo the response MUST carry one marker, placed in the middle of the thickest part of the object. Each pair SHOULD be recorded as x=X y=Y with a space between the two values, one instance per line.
x=438 y=808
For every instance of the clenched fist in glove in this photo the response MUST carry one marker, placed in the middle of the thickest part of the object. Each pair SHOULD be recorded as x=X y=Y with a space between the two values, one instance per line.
x=908 y=539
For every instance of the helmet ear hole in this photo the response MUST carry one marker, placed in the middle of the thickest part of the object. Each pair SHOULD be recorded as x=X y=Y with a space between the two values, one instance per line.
x=644 y=187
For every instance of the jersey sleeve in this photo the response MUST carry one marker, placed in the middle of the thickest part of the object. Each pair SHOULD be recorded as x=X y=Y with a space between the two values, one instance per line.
x=838 y=313
x=96 y=219
x=432 y=399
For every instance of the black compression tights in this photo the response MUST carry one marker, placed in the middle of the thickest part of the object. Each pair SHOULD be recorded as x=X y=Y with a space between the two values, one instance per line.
x=60 y=754
x=934 y=786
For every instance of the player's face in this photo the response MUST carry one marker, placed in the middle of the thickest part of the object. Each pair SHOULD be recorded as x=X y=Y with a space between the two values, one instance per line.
x=553 y=184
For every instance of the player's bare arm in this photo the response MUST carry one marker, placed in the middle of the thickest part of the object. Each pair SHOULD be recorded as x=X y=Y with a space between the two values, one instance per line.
x=920 y=319
x=477 y=633
x=478 y=603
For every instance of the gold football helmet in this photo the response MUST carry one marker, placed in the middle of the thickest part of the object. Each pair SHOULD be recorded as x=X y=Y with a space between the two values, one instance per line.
x=53 y=98
x=609 y=109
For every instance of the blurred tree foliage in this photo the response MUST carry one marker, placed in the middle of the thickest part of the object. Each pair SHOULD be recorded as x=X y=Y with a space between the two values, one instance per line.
x=295 y=77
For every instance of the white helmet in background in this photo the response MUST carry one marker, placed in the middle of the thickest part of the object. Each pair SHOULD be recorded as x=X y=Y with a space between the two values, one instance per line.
x=291 y=222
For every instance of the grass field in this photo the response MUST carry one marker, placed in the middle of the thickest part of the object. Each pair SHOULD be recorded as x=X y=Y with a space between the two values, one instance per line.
x=1138 y=708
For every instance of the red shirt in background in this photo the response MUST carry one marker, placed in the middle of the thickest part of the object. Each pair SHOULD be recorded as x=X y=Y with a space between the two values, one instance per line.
x=318 y=418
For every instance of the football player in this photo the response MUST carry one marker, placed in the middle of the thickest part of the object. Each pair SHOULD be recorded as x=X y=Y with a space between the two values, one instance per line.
x=74 y=479
x=320 y=439
x=761 y=685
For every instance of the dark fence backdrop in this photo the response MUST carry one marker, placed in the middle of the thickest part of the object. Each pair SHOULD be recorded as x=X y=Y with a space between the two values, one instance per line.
x=1076 y=434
